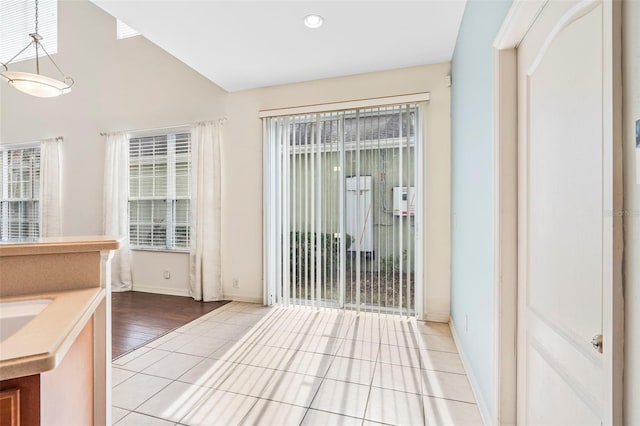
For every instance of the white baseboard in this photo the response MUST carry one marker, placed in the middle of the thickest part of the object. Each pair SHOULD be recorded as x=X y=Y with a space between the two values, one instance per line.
x=436 y=317
x=185 y=292
x=161 y=290
x=238 y=298
x=485 y=412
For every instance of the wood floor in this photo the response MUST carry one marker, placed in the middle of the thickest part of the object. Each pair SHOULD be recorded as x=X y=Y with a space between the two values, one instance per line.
x=137 y=318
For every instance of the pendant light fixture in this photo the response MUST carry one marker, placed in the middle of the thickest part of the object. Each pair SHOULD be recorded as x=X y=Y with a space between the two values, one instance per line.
x=36 y=84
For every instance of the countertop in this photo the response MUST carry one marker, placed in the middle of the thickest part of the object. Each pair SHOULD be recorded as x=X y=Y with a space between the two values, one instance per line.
x=58 y=245
x=42 y=343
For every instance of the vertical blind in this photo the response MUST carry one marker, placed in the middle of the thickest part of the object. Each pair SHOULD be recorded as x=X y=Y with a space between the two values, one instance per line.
x=340 y=203
x=17 y=21
x=20 y=193
x=160 y=191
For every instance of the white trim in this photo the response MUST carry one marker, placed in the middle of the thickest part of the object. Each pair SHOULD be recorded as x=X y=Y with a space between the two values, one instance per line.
x=505 y=237
x=516 y=24
x=485 y=413
x=420 y=217
x=267 y=299
x=341 y=106
x=245 y=299
x=435 y=317
x=179 y=250
x=160 y=131
x=177 y=128
x=19 y=145
x=269 y=224
x=161 y=290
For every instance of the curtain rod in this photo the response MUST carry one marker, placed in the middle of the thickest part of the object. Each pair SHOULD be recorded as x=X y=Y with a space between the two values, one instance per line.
x=158 y=128
x=149 y=129
x=58 y=138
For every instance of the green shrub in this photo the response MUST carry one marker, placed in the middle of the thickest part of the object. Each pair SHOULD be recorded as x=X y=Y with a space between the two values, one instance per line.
x=301 y=243
x=391 y=263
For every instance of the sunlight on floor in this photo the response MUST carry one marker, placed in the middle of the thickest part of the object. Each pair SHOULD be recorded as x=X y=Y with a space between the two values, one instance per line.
x=249 y=364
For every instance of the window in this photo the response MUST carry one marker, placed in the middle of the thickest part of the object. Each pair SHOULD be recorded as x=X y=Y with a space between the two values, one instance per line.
x=160 y=191
x=19 y=193
x=17 y=21
x=125 y=31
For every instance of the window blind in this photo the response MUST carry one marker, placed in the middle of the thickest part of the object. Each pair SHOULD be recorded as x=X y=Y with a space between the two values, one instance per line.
x=160 y=191
x=17 y=21
x=125 y=31
x=20 y=193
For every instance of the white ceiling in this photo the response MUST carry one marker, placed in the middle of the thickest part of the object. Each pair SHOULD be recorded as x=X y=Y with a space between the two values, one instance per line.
x=247 y=44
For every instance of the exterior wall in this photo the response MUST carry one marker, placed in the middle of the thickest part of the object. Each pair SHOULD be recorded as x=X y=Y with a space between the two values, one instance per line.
x=383 y=166
x=472 y=310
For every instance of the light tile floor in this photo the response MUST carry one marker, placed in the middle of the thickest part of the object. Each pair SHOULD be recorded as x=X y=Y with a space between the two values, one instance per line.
x=251 y=365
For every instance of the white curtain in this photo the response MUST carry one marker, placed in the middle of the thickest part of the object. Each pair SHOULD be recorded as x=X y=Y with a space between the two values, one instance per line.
x=205 y=275
x=50 y=188
x=116 y=198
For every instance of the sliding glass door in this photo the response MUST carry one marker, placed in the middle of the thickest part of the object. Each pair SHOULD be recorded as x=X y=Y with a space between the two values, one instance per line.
x=341 y=207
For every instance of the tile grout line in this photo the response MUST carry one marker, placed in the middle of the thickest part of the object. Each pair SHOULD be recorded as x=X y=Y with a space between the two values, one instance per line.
x=373 y=376
x=422 y=384
x=154 y=394
x=333 y=357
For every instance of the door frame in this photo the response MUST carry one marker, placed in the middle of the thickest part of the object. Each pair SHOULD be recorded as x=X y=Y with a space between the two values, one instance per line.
x=519 y=19
x=271 y=198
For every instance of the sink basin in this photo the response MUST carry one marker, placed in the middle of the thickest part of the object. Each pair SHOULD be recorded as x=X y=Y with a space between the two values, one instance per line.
x=15 y=315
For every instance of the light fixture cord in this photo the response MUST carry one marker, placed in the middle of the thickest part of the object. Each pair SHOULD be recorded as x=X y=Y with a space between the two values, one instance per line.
x=36 y=41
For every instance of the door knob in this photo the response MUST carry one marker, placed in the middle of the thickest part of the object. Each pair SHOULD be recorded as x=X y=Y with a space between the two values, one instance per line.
x=597 y=342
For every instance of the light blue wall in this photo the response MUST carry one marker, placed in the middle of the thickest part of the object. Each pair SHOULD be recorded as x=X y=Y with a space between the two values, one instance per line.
x=472 y=188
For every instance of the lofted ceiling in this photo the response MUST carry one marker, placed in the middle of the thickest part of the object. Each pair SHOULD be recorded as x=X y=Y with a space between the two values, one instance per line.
x=241 y=44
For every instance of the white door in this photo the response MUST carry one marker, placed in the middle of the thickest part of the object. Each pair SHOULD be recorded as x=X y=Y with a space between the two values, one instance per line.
x=566 y=256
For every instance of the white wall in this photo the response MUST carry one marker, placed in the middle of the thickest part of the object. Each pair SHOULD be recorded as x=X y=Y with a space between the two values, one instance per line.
x=148 y=272
x=631 y=112
x=242 y=172
x=120 y=85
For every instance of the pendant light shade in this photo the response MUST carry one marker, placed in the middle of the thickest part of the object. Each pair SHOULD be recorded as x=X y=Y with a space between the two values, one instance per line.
x=36 y=84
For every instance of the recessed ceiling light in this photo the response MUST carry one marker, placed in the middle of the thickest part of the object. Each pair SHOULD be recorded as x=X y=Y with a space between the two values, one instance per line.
x=313 y=21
